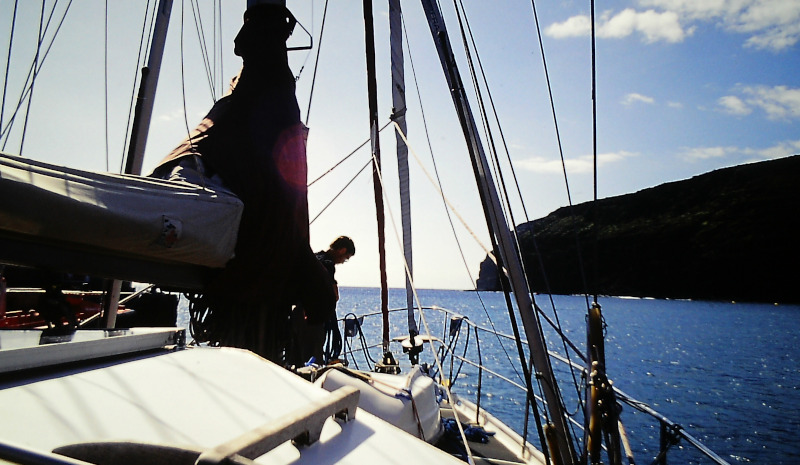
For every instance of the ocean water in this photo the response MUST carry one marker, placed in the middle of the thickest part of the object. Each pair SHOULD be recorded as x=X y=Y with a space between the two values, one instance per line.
x=729 y=373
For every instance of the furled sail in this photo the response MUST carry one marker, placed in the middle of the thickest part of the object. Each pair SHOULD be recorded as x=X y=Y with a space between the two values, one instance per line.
x=120 y=216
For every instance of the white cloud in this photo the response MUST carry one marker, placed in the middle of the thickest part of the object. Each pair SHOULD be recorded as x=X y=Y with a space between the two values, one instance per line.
x=776 y=39
x=778 y=102
x=675 y=104
x=779 y=150
x=541 y=165
x=633 y=97
x=575 y=26
x=734 y=105
x=704 y=153
x=578 y=165
x=697 y=9
x=652 y=25
x=770 y=24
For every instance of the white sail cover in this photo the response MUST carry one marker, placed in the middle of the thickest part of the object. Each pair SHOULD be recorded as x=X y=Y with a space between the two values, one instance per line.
x=171 y=222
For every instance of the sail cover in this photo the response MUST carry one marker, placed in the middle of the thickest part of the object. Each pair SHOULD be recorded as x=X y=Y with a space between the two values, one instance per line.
x=144 y=218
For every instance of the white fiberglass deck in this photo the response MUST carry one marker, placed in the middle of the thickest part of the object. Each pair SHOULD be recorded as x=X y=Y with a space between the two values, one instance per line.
x=197 y=398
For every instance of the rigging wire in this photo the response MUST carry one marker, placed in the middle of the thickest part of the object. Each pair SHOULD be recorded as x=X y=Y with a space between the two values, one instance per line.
x=31 y=77
x=490 y=141
x=316 y=60
x=330 y=170
x=478 y=164
x=149 y=41
x=448 y=208
x=105 y=78
x=316 y=63
x=36 y=68
x=444 y=199
x=183 y=78
x=506 y=206
x=139 y=60
x=8 y=65
x=368 y=163
x=198 y=27
x=214 y=31
x=501 y=134
x=581 y=267
x=218 y=13
x=423 y=319
x=448 y=205
x=519 y=348
x=594 y=145
x=546 y=281
x=202 y=43
x=430 y=150
x=557 y=325
x=485 y=119
x=196 y=159
x=496 y=164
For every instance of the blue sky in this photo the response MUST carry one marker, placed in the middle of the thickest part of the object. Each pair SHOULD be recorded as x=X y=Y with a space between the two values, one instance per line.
x=683 y=87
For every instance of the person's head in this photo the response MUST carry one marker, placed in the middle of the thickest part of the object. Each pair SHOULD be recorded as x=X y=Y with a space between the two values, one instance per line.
x=342 y=248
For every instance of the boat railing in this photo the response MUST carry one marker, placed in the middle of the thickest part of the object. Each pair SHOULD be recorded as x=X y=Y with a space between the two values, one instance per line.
x=670 y=433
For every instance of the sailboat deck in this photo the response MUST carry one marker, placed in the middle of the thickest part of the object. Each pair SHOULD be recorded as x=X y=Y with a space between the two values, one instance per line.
x=195 y=400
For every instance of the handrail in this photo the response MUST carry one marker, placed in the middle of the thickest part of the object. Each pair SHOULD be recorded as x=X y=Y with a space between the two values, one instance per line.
x=668 y=426
x=674 y=428
x=302 y=427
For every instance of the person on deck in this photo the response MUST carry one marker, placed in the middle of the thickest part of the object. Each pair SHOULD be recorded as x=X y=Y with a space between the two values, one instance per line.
x=340 y=250
x=310 y=329
x=253 y=141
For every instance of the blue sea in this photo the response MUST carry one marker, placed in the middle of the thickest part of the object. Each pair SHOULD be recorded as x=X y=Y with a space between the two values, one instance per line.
x=728 y=373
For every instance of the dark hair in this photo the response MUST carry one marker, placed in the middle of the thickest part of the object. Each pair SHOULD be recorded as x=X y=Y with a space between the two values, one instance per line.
x=344 y=242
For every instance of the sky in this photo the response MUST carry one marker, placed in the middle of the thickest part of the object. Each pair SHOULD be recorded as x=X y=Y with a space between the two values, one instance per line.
x=683 y=87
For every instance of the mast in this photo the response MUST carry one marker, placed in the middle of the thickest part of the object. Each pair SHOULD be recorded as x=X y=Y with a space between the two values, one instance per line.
x=399 y=117
x=140 y=128
x=564 y=452
x=372 y=86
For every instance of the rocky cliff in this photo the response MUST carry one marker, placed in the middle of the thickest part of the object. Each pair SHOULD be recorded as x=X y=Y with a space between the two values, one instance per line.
x=730 y=234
